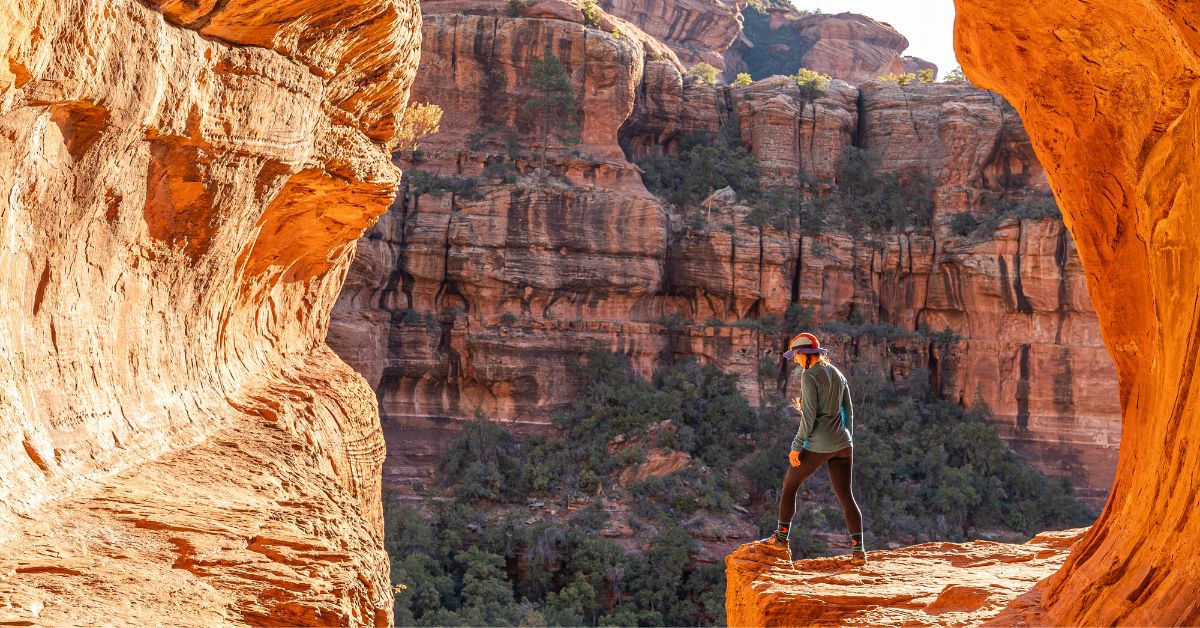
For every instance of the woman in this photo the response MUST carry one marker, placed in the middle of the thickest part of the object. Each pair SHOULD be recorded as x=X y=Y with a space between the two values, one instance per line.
x=824 y=438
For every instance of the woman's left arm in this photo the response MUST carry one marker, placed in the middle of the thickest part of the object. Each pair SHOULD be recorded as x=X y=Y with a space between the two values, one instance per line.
x=847 y=409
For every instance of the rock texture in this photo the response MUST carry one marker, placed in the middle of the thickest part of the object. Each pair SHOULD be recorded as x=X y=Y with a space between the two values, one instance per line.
x=934 y=584
x=697 y=30
x=460 y=301
x=1107 y=91
x=183 y=186
x=847 y=46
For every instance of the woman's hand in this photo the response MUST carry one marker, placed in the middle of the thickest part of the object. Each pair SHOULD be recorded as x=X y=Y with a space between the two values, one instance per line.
x=794 y=458
x=798 y=404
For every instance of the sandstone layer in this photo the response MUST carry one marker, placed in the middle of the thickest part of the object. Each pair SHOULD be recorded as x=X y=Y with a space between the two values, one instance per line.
x=697 y=30
x=1107 y=90
x=933 y=584
x=184 y=183
x=480 y=299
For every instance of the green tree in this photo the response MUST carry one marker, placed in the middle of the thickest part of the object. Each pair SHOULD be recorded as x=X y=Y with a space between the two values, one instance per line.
x=955 y=76
x=486 y=593
x=704 y=72
x=552 y=103
x=743 y=79
x=925 y=76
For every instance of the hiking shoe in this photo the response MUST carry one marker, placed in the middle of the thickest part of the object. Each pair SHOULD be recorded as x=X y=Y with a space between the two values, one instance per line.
x=773 y=543
x=858 y=557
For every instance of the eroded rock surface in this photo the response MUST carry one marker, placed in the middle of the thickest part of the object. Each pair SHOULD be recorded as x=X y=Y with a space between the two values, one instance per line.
x=183 y=186
x=1107 y=91
x=933 y=584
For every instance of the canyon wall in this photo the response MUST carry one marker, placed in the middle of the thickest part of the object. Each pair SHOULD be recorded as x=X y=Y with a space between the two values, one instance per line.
x=479 y=294
x=183 y=186
x=1108 y=91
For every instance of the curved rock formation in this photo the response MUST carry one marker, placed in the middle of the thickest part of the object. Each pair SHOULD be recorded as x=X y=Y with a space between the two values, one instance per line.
x=847 y=46
x=1108 y=92
x=697 y=30
x=183 y=185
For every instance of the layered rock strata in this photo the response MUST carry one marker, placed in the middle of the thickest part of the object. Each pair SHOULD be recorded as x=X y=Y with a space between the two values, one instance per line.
x=933 y=584
x=1107 y=90
x=697 y=30
x=184 y=184
x=480 y=299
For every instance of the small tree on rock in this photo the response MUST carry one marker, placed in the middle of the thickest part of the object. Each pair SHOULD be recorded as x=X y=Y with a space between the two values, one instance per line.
x=552 y=103
x=704 y=72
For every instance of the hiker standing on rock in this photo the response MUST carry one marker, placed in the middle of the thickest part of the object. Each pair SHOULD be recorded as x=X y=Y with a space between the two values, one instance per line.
x=823 y=439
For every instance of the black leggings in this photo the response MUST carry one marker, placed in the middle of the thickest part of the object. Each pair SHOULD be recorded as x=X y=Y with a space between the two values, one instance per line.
x=841 y=465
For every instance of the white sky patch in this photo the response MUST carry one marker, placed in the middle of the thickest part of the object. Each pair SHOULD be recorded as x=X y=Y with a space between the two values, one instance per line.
x=928 y=24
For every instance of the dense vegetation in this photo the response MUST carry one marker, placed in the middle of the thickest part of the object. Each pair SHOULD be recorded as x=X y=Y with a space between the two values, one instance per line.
x=699 y=167
x=765 y=58
x=487 y=553
x=1000 y=208
x=864 y=198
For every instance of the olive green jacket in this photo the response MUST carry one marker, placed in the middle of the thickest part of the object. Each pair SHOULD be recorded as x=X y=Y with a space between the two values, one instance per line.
x=824 y=408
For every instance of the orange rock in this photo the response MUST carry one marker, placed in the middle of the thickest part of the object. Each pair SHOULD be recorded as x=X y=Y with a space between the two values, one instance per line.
x=183 y=185
x=1106 y=92
x=945 y=584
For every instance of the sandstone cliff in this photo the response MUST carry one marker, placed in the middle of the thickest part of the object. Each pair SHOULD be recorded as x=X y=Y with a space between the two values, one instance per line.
x=479 y=296
x=933 y=584
x=1107 y=92
x=184 y=183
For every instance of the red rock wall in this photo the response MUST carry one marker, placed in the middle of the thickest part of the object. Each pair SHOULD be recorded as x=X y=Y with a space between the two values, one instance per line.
x=1107 y=90
x=456 y=304
x=183 y=186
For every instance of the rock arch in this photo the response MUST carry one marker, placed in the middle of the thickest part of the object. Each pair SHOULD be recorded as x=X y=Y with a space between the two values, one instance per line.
x=1108 y=91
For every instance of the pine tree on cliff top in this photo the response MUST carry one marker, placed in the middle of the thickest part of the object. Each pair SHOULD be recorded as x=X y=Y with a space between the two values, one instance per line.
x=552 y=103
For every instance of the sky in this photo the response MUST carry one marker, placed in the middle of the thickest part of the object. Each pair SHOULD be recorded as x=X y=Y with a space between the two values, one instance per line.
x=928 y=24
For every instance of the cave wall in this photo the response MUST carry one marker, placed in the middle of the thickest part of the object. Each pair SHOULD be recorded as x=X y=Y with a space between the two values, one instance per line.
x=183 y=184
x=1107 y=91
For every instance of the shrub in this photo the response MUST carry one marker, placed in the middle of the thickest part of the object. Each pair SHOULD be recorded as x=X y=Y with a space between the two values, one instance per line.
x=743 y=79
x=955 y=76
x=591 y=13
x=925 y=76
x=901 y=79
x=422 y=182
x=503 y=171
x=699 y=169
x=812 y=83
x=419 y=121
x=516 y=6
x=881 y=201
x=963 y=223
x=704 y=73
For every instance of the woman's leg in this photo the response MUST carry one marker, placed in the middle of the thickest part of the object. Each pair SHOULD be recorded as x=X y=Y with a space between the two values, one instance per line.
x=795 y=476
x=841 y=476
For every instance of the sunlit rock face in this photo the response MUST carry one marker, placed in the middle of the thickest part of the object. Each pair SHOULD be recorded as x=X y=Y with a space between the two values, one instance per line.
x=932 y=584
x=183 y=186
x=1107 y=92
